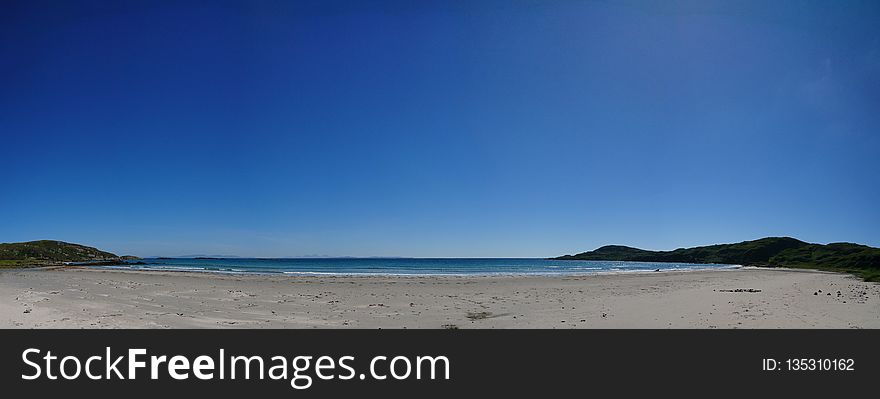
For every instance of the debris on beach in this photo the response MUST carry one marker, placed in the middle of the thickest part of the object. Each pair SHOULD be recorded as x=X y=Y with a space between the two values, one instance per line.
x=478 y=315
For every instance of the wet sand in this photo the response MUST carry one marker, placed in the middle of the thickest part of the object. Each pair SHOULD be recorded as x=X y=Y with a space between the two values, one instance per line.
x=737 y=298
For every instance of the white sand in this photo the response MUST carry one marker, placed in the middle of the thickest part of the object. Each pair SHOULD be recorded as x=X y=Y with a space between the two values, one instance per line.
x=95 y=298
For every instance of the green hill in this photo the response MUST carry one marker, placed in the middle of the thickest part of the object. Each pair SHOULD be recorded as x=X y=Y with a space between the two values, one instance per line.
x=46 y=252
x=769 y=252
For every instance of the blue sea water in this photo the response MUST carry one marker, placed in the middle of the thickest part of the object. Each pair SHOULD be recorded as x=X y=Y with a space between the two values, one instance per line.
x=408 y=266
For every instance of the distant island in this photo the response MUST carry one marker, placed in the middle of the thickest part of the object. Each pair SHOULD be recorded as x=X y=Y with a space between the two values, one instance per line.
x=49 y=253
x=860 y=260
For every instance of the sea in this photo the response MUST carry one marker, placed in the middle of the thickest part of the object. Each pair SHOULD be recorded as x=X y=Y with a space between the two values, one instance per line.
x=406 y=266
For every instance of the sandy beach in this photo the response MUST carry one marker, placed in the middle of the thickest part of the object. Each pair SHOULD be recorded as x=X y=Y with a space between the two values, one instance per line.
x=737 y=298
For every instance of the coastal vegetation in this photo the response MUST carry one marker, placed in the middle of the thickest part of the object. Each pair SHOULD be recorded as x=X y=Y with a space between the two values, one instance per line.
x=48 y=253
x=860 y=260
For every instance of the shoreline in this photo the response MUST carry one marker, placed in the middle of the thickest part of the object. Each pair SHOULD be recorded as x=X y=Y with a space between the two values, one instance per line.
x=90 y=297
x=380 y=274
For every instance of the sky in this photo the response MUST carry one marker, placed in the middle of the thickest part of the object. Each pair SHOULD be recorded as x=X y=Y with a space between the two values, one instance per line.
x=437 y=129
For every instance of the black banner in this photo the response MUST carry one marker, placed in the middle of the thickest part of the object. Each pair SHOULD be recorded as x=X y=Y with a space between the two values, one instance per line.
x=706 y=363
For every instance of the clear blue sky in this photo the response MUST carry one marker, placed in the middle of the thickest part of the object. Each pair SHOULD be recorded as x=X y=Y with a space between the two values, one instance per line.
x=449 y=129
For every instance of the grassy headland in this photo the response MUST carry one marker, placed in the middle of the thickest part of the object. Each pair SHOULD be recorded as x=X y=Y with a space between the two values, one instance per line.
x=49 y=253
x=860 y=260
